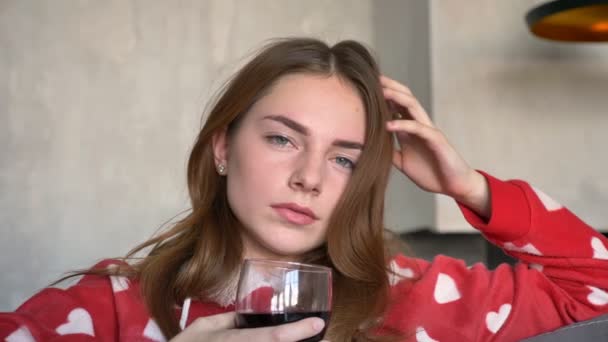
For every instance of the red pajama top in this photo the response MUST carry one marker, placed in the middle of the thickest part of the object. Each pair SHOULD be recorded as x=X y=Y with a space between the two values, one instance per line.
x=562 y=277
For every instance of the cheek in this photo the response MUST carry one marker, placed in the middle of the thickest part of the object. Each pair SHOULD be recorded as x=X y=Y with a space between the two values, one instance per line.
x=252 y=177
x=245 y=194
x=335 y=188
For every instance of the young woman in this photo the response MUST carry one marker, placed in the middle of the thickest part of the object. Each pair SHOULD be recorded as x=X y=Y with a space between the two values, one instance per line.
x=292 y=164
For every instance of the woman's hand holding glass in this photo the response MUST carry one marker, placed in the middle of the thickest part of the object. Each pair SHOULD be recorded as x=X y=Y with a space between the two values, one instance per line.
x=276 y=301
x=222 y=328
x=272 y=293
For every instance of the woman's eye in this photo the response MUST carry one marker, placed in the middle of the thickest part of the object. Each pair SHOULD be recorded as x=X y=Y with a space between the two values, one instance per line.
x=345 y=162
x=278 y=140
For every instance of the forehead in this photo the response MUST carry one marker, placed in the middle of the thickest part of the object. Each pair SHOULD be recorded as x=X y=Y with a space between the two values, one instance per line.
x=328 y=105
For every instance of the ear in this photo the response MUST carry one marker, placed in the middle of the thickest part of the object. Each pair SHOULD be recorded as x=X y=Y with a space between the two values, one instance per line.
x=219 y=142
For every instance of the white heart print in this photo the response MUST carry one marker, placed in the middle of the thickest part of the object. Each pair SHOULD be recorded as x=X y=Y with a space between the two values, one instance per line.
x=495 y=320
x=599 y=250
x=20 y=335
x=79 y=322
x=119 y=283
x=597 y=296
x=549 y=203
x=527 y=248
x=446 y=290
x=399 y=273
x=422 y=336
x=152 y=331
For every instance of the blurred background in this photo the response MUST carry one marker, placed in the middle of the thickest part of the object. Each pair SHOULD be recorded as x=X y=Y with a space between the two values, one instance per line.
x=100 y=102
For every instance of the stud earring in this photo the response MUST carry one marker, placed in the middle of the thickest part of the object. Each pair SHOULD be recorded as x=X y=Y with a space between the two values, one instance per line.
x=221 y=169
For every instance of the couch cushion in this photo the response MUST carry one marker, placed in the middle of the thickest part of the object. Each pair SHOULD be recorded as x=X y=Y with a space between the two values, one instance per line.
x=592 y=330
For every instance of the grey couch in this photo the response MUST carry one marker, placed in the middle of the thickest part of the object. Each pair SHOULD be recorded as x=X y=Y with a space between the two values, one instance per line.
x=593 y=330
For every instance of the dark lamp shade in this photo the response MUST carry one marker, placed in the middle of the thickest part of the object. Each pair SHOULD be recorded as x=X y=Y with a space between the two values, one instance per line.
x=570 y=20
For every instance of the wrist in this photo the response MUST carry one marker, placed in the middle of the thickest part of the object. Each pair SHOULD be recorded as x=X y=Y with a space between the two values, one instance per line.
x=478 y=196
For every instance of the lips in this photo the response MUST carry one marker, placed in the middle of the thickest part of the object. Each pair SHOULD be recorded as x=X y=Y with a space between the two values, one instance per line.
x=295 y=214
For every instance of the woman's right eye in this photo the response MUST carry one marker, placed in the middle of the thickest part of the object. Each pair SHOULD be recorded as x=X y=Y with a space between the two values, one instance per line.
x=278 y=140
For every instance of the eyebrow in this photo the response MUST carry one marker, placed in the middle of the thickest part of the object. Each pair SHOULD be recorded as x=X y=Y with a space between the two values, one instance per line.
x=305 y=131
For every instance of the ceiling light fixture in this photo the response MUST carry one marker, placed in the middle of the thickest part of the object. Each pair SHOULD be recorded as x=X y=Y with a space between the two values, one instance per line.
x=570 y=20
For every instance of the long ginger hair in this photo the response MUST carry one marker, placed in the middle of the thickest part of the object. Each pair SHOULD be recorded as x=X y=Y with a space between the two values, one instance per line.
x=197 y=255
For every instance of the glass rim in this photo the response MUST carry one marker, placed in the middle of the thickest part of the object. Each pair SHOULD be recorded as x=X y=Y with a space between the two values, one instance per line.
x=286 y=265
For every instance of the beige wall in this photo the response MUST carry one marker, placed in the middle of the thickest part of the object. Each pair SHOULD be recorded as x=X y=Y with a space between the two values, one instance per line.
x=100 y=101
x=521 y=107
x=401 y=37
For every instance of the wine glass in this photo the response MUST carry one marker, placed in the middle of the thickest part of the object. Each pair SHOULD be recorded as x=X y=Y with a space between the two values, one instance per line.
x=275 y=292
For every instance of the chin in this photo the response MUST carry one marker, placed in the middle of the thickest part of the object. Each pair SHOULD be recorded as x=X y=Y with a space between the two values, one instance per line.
x=292 y=249
x=289 y=251
x=281 y=242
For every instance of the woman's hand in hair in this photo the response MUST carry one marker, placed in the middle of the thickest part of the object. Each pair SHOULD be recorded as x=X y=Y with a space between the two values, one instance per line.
x=426 y=156
x=222 y=328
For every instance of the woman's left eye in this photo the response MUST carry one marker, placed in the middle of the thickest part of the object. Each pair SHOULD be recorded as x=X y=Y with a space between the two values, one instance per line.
x=278 y=140
x=345 y=162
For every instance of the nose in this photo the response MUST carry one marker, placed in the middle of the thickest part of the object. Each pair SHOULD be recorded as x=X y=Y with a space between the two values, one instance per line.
x=307 y=175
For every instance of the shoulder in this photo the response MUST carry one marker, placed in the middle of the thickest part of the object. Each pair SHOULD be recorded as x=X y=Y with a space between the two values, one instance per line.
x=109 y=264
x=402 y=268
x=107 y=276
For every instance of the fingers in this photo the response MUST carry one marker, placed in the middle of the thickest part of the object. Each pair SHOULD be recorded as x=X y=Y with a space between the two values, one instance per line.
x=217 y=322
x=412 y=127
x=412 y=105
x=299 y=330
x=221 y=327
x=405 y=130
x=290 y=332
x=402 y=96
x=409 y=102
x=387 y=82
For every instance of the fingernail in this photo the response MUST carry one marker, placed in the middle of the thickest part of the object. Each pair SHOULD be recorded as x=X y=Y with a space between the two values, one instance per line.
x=318 y=324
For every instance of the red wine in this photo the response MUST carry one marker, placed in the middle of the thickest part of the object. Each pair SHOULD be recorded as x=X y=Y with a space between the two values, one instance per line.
x=258 y=320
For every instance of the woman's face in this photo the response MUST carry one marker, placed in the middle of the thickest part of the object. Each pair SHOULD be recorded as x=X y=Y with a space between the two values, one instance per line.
x=289 y=161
